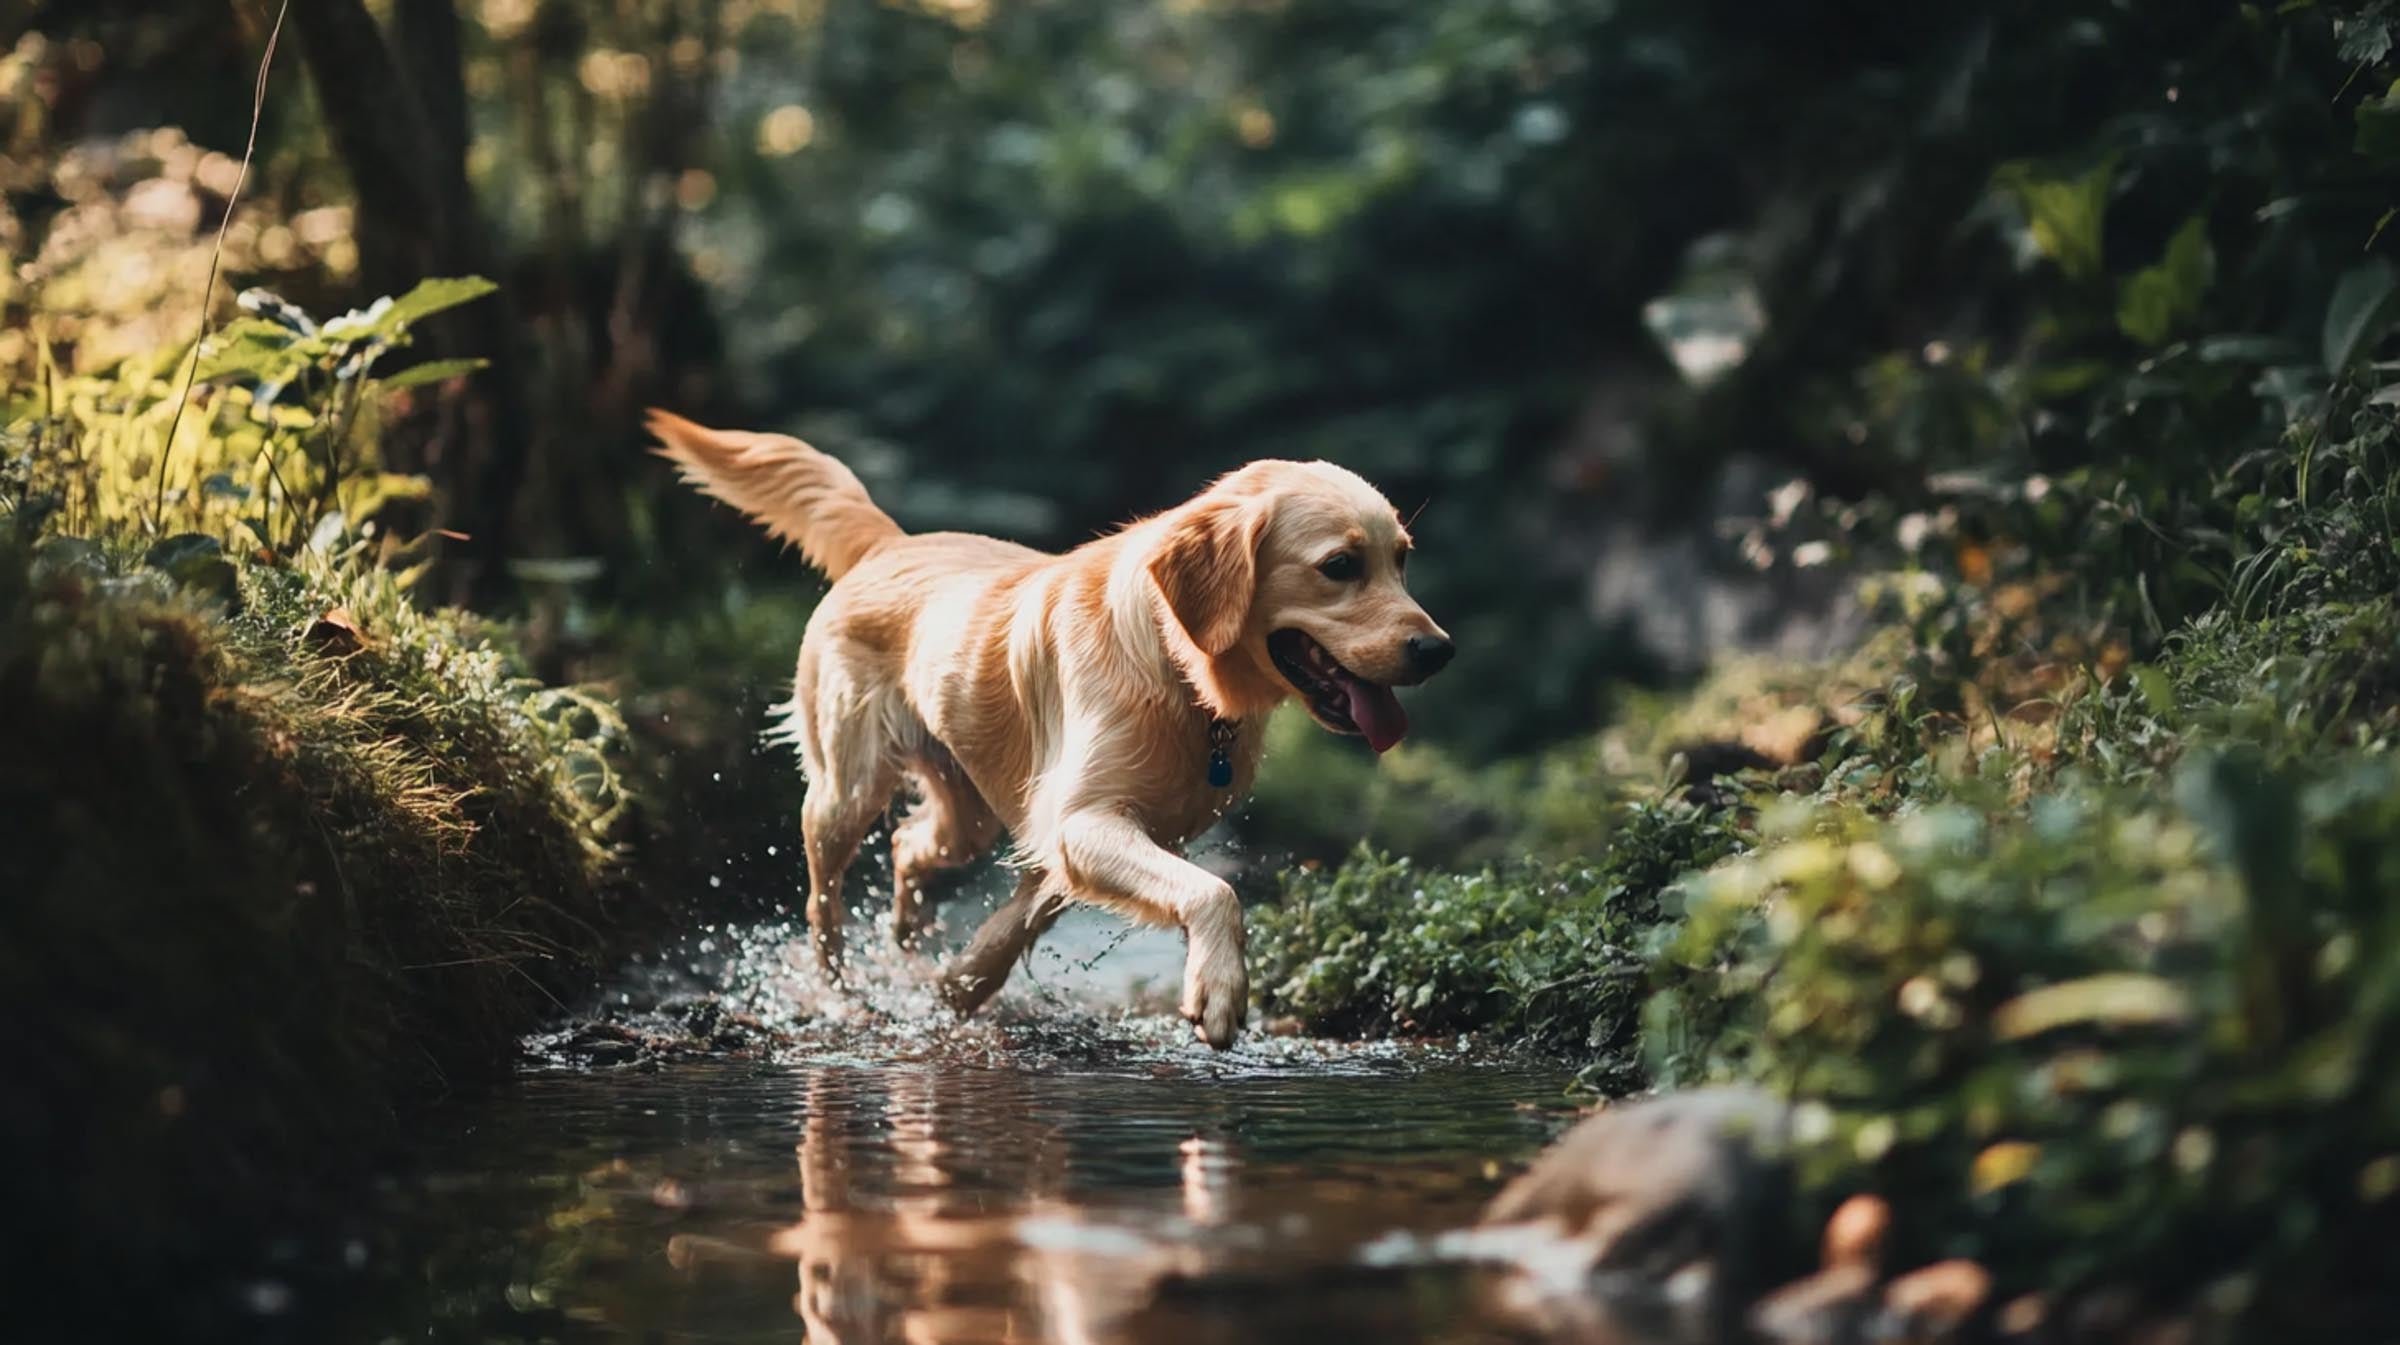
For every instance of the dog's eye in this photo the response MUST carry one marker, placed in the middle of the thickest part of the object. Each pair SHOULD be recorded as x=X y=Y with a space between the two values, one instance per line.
x=1341 y=567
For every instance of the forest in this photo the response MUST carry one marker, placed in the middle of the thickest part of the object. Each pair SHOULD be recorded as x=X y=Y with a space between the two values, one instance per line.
x=1913 y=489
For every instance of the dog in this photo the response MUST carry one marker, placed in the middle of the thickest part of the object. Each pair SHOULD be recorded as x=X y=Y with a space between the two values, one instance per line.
x=1102 y=707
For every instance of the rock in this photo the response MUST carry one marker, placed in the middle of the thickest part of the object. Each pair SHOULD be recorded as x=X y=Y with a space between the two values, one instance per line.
x=1676 y=1207
x=1936 y=1302
x=1652 y=1189
x=1834 y=1303
x=1845 y=1301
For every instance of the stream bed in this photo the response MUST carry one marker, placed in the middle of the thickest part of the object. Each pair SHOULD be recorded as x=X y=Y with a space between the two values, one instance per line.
x=1072 y=1168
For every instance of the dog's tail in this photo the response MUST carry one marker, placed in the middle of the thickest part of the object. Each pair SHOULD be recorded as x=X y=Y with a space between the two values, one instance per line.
x=802 y=496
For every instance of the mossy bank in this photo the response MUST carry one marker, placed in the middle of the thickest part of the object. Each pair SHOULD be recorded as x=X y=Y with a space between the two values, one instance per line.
x=288 y=853
x=283 y=862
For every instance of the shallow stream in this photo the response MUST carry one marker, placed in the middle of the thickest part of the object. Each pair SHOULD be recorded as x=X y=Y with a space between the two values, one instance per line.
x=723 y=1157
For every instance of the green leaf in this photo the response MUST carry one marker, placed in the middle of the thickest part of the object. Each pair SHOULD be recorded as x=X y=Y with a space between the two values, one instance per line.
x=2360 y=312
x=431 y=297
x=2065 y=215
x=2247 y=350
x=2049 y=382
x=2379 y=126
x=433 y=371
x=252 y=347
x=2157 y=300
x=2116 y=999
x=2158 y=691
x=2366 y=39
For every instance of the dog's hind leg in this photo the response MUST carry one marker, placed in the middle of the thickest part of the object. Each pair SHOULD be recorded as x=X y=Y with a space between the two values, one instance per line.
x=853 y=765
x=982 y=967
x=834 y=822
x=950 y=826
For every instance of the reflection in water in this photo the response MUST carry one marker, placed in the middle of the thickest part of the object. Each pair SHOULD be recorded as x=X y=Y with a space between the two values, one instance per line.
x=973 y=1233
x=924 y=1262
x=1047 y=1172
x=1105 y=1193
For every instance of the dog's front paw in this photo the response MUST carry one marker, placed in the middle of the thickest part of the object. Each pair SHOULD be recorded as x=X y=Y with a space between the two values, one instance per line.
x=1216 y=998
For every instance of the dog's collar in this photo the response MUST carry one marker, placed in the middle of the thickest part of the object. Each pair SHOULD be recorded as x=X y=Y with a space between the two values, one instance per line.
x=1221 y=735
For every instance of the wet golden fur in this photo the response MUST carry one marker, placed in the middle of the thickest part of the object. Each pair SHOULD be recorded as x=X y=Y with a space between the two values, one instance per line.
x=1065 y=699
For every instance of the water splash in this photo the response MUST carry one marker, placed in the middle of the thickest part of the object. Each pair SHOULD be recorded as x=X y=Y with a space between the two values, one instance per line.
x=1096 y=994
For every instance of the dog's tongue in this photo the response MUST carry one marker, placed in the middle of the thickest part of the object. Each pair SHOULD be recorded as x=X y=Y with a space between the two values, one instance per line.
x=1377 y=713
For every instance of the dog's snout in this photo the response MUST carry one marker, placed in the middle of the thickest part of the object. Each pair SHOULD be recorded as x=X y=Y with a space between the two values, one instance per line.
x=1429 y=654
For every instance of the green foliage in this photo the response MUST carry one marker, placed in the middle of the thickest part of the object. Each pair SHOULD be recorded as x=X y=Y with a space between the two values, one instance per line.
x=2306 y=685
x=2064 y=214
x=273 y=874
x=2156 y=301
x=289 y=851
x=2108 y=1040
x=2360 y=311
x=279 y=345
x=1551 y=954
x=260 y=436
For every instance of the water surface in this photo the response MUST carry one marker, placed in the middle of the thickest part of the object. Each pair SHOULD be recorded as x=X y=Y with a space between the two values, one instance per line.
x=1073 y=1170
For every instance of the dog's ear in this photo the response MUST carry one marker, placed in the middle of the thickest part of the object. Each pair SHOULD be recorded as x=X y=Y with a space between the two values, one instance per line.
x=1207 y=566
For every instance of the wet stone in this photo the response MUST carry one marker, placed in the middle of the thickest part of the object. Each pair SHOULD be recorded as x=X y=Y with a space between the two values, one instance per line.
x=1650 y=1187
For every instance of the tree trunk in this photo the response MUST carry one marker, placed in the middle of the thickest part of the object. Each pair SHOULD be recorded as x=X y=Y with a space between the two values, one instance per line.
x=398 y=120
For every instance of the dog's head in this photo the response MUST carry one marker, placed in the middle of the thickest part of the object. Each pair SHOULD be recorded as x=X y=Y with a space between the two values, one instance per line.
x=1291 y=578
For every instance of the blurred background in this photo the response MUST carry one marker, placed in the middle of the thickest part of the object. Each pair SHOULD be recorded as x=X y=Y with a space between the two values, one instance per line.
x=1982 y=412
x=1685 y=330
x=1573 y=280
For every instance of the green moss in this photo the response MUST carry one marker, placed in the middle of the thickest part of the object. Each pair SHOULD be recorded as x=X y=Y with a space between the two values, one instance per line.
x=272 y=876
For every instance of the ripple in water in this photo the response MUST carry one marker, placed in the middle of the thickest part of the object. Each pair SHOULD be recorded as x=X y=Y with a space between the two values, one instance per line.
x=767 y=1159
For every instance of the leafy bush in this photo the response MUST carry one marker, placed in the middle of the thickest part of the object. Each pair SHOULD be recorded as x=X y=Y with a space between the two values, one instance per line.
x=259 y=435
x=2298 y=686
x=1549 y=954
x=288 y=852
x=2108 y=1042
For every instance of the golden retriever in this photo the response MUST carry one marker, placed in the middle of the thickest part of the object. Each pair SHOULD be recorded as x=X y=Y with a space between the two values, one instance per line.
x=1103 y=707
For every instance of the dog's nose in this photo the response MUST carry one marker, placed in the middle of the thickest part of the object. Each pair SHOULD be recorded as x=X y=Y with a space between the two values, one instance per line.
x=1429 y=654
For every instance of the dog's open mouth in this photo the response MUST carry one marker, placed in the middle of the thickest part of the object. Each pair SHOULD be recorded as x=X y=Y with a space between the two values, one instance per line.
x=1339 y=699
